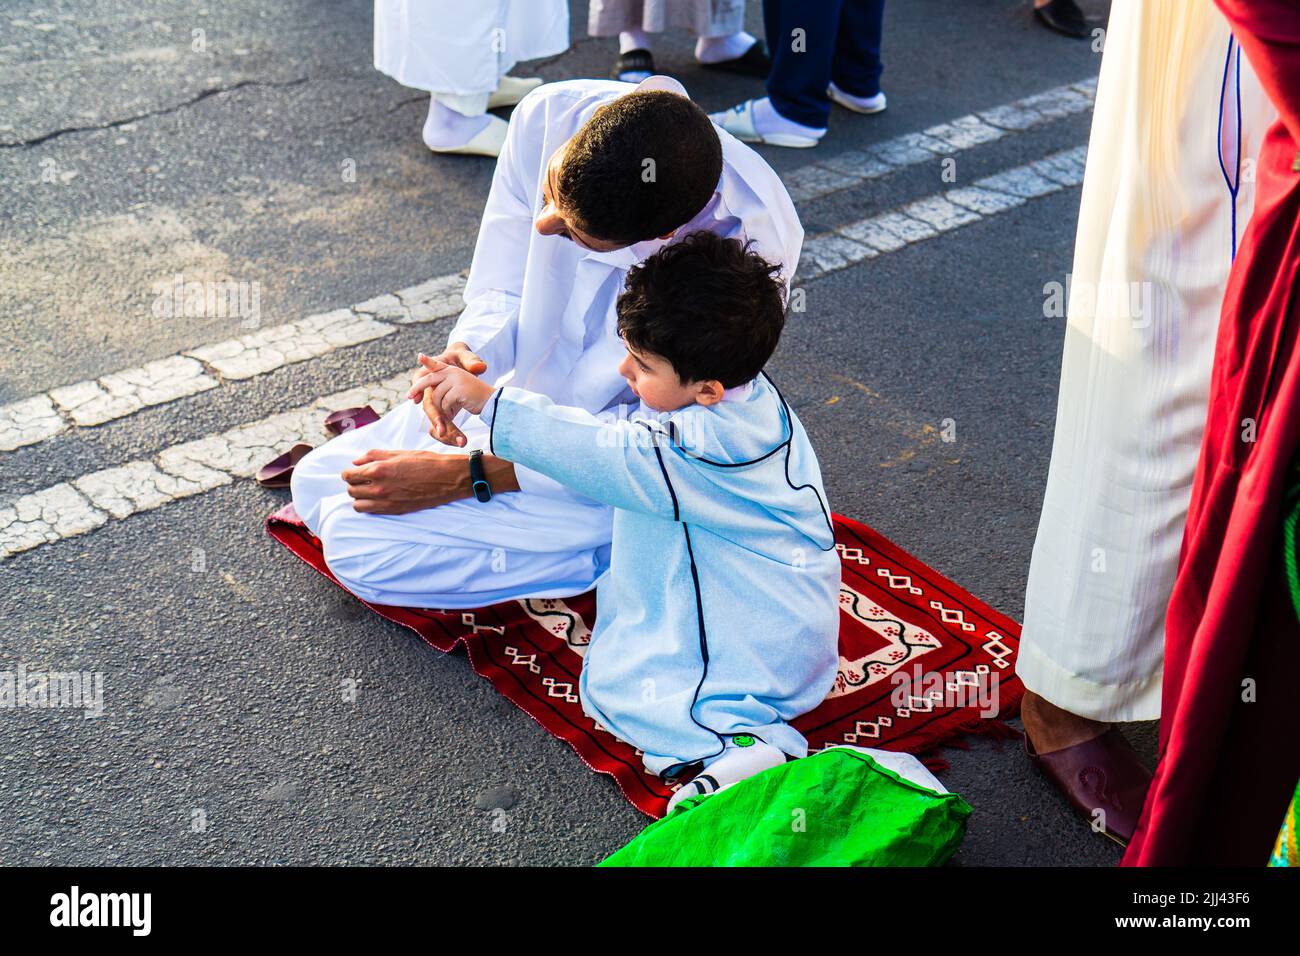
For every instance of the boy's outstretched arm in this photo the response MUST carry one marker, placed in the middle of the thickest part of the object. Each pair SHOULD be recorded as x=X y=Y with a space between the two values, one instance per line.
x=627 y=464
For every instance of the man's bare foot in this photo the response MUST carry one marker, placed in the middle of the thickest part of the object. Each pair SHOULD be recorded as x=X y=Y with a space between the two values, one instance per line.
x=1050 y=728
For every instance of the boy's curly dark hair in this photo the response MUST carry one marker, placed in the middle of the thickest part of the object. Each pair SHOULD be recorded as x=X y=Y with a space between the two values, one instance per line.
x=710 y=306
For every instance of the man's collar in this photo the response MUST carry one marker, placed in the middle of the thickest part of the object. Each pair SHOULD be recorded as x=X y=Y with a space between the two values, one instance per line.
x=623 y=258
x=629 y=256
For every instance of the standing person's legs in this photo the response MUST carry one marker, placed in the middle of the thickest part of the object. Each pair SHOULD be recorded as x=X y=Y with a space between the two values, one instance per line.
x=802 y=37
x=465 y=79
x=1135 y=377
x=855 y=71
x=722 y=42
x=629 y=21
x=719 y=25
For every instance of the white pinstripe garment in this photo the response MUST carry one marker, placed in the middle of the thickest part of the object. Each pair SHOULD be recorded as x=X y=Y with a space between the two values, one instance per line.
x=1157 y=212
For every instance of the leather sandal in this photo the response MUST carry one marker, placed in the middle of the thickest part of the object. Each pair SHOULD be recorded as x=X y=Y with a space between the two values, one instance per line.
x=277 y=472
x=349 y=419
x=1099 y=774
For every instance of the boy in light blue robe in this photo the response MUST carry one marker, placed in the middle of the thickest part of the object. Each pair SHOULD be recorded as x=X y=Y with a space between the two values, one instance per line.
x=717 y=622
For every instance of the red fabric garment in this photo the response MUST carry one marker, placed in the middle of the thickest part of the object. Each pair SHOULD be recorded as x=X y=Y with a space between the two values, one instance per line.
x=1227 y=766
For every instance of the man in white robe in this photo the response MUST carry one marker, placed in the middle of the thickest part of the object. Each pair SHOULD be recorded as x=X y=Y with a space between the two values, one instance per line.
x=393 y=508
x=1168 y=189
x=461 y=53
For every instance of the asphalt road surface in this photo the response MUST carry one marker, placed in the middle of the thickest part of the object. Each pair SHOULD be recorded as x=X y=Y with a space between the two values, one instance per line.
x=133 y=148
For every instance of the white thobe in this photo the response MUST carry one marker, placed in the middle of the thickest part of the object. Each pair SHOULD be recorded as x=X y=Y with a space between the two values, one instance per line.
x=540 y=312
x=1155 y=242
x=459 y=50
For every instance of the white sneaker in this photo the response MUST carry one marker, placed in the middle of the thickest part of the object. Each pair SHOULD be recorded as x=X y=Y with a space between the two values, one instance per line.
x=741 y=122
x=859 y=104
x=743 y=756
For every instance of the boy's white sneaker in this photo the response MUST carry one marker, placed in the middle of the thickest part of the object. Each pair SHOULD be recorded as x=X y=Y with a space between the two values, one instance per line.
x=743 y=757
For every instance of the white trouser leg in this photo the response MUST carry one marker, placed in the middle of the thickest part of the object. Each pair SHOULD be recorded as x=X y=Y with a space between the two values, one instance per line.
x=462 y=554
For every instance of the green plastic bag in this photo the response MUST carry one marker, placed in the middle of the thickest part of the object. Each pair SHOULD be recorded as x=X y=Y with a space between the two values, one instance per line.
x=838 y=807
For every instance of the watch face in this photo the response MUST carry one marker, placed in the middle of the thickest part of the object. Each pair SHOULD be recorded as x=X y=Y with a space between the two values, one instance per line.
x=482 y=491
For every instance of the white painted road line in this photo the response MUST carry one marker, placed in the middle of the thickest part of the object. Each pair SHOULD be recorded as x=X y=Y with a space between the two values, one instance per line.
x=33 y=420
x=934 y=215
x=846 y=170
x=113 y=396
x=93 y=500
x=86 y=404
x=29 y=421
x=190 y=468
x=261 y=352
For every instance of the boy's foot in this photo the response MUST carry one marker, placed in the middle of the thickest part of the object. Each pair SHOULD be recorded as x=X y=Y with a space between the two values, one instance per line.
x=744 y=757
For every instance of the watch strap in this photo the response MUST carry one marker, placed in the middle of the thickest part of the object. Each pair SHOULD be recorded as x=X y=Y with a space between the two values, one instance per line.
x=478 y=477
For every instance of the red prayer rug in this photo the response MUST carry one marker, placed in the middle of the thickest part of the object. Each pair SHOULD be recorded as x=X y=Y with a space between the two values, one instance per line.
x=922 y=662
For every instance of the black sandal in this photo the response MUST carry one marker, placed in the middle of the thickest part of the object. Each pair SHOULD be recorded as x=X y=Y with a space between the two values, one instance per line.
x=633 y=61
x=1063 y=16
x=753 y=62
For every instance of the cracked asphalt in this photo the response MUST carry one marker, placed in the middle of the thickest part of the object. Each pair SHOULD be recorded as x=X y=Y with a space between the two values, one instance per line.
x=213 y=140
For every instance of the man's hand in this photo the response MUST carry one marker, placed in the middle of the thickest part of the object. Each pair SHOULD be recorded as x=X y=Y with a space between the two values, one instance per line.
x=458 y=354
x=453 y=389
x=398 y=482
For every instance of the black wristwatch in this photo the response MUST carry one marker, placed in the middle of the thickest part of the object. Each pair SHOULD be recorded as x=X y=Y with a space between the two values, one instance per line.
x=478 y=477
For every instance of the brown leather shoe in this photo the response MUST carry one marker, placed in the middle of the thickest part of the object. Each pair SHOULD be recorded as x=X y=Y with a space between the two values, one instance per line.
x=277 y=472
x=1099 y=774
x=347 y=419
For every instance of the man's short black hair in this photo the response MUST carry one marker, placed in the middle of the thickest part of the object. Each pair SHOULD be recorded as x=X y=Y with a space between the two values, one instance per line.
x=710 y=306
x=643 y=165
